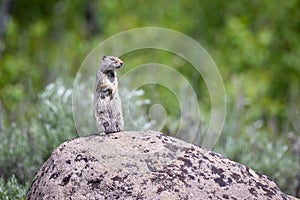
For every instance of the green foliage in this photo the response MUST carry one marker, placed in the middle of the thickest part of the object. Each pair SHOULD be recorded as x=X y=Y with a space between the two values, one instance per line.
x=254 y=43
x=260 y=150
x=51 y=124
x=55 y=116
x=11 y=189
x=135 y=110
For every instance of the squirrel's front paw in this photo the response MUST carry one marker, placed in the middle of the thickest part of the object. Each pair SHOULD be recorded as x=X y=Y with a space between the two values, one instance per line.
x=105 y=92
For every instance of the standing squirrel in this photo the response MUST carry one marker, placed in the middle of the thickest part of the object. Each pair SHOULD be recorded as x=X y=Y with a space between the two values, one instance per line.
x=107 y=104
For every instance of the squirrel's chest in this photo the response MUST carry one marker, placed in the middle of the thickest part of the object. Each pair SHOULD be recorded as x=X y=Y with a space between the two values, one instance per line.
x=108 y=76
x=106 y=86
x=111 y=76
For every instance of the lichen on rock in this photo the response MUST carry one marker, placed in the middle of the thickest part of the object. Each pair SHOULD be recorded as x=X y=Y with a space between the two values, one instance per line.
x=145 y=165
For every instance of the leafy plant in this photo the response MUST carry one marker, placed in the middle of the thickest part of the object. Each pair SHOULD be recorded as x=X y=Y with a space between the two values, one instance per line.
x=11 y=189
x=27 y=146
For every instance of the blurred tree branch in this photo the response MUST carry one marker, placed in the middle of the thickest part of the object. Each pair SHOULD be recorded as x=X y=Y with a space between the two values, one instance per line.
x=4 y=16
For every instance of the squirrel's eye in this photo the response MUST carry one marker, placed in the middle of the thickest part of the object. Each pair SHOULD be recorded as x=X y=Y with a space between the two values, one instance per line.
x=112 y=59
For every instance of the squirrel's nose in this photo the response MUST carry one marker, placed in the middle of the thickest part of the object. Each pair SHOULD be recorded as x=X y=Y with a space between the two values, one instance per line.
x=121 y=63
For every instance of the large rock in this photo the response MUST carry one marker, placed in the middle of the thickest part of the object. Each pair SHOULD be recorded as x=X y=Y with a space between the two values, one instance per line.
x=145 y=165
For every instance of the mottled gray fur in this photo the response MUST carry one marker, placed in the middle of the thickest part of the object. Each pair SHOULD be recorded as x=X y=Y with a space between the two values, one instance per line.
x=107 y=103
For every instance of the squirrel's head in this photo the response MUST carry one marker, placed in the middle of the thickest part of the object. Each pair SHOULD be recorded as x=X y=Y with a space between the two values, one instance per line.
x=110 y=63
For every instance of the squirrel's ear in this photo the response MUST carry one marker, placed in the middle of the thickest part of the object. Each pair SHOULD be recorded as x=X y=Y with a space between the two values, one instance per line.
x=103 y=57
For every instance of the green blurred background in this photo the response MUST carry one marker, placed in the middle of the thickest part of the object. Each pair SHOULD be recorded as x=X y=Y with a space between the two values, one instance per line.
x=255 y=44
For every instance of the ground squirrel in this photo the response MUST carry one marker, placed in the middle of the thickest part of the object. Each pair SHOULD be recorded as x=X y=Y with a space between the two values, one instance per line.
x=107 y=104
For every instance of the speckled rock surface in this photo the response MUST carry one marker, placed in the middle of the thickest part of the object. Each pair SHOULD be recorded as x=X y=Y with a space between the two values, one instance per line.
x=145 y=165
